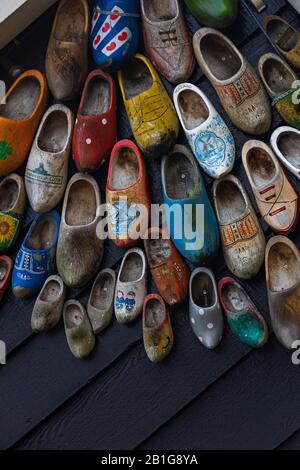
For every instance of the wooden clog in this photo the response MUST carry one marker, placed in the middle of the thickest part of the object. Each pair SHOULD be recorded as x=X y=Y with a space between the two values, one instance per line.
x=101 y=301
x=242 y=238
x=127 y=194
x=47 y=166
x=150 y=110
x=275 y=197
x=169 y=271
x=205 y=311
x=95 y=131
x=79 y=333
x=6 y=267
x=115 y=32
x=279 y=79
x=283 y=284
x=80 y=243
x=67 y=53
x=184 y=192
x=157 y=329
x=25 y=104
x=285 y=142
x=285 y=37
x=235 y=81
x=214 y=13
x=48 y=307
x=167 y=40
x=131 y=287
x=209 y=137
x=36 y=258
x=12 y=206
x=245 y=321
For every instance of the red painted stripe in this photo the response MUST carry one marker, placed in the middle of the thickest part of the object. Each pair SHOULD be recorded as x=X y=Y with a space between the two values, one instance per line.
x=264 y=191
x=281 y=209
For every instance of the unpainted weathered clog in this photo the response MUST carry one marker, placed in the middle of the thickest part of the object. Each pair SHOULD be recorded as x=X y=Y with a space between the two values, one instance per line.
x=95 y=131
x=205 y=311
x=169 y=271
x=101 y=301
x=242 y=238
x=79 y=333
x=157 y=328
x=67 y=53
x=283 y=284
x=127 y=194
x=47 y=166
x=275 y=197
x=209 y=137
x=167 y=40
x=193 y=226
x=131 y=286
x=48 y=307
x=282 y=86
x=235 y=81
x=20 y=116
x=81 y=241
x=150 y=110
x=6 y=267
x=285 y=142
x=285 y=37
x=12 y=207
x=244 y=319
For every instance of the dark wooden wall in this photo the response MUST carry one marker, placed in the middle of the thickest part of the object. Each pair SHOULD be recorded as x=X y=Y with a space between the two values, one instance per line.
x=229 y=398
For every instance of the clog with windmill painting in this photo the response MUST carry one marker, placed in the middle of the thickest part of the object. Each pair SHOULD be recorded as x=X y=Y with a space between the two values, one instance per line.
x=95 y=131
x=150 y=111
x=12 y=206
x=209 y=137
x=20 y=116
x=6 y=267
x=275 y=197
x=127 y=194
x=115 y=32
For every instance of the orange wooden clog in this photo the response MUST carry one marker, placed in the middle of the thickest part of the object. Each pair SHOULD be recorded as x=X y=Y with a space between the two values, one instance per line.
x=25 y=104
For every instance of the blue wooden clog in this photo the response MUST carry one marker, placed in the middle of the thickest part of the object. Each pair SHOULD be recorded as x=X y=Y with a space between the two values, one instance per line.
x=36 y=258
x=115 y=32
x=192 y=223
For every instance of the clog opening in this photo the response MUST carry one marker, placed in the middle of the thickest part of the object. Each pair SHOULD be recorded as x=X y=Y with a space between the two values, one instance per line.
x=234 y=298
x=203 y=292
x=278 y=77
x=181 y=179
x=70 y=23
x=3 y=270
x=43 y=234
x=74 y=316
x=136 y=78
x=160 y=10
x=22 y=101
x=289 y=145
x=9 y=191
x=158 y=251
x=261 y=166
x=103 y=291
x=51 y=292
x=97 y=97
x=281 y=34
x=154 y=313
x=221 y=59
x=230 y=201
x=193 y=109
x=53 y=137
x=125 y=169
x=283 y=267
x=133 y=268
x=82 y=205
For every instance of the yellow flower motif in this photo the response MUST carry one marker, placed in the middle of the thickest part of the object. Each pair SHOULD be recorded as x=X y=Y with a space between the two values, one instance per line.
x=7 y=230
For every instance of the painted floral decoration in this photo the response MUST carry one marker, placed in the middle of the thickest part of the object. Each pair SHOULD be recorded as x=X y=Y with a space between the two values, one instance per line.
x=5 y=150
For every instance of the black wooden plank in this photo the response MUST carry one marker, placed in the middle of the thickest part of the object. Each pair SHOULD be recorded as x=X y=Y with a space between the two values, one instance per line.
x=292 y=443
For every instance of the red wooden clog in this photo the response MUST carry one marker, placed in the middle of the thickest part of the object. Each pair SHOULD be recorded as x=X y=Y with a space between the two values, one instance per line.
x=95 y=131
x=6 y=267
